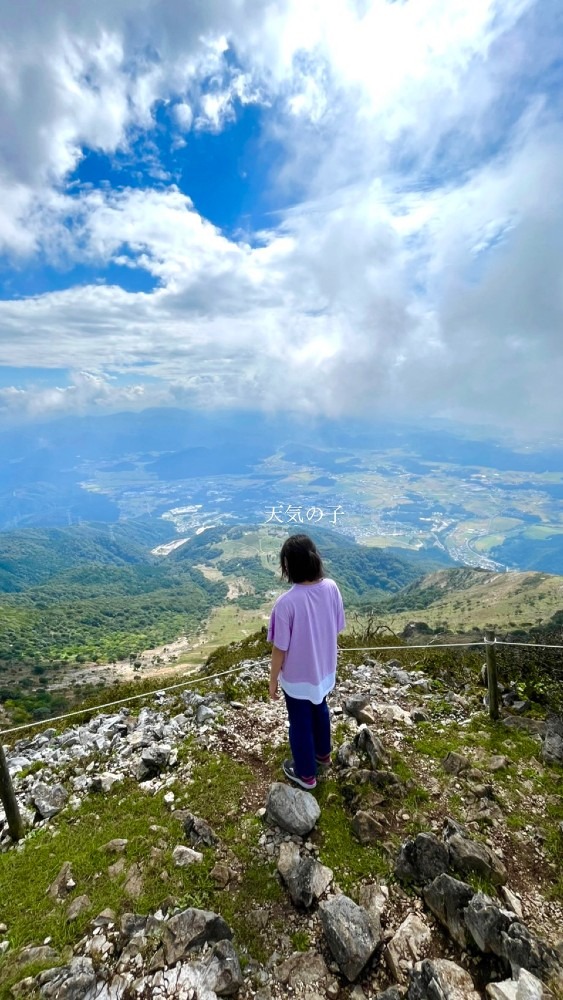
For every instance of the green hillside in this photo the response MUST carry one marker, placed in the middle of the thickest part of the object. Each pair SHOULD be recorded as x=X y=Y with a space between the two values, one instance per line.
x=91 y=594
x=462 y=598
x=35 y=555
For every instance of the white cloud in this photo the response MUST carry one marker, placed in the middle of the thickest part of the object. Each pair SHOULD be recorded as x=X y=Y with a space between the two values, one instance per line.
x=418 y=271
x=184 y=116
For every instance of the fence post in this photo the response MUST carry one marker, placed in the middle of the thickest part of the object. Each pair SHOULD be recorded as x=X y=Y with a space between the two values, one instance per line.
x=492 y=673
x=9 y=801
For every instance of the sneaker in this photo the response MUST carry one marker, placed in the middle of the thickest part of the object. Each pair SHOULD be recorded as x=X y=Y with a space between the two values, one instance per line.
x=323 y=763
x=289 y=771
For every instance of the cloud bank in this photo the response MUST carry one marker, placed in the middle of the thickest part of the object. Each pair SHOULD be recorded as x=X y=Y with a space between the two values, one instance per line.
x=413 y=268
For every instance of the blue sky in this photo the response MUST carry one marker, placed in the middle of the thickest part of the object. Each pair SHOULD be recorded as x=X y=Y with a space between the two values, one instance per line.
x=345 y=208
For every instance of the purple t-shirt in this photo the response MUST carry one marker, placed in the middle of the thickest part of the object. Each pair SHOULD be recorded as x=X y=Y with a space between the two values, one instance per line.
x=305 y=622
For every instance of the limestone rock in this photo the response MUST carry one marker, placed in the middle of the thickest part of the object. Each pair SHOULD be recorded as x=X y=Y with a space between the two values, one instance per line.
x=552 y=750
x=308 y=881
x=116 y=869
x=393 y=713
x=502 y=991
x=367 y=828
x=78 y=906
x=455 y=763
x=526 y=987
x=134 y=883
x=199 y=831
x=63 y=884
x=292 y=809
x=512 y=901
x=440 y=979
x=223 y=973
x=303 y=968
x=422 y=859
x=71 y=982
x=447 y=898
x=369 y=743
x=523 y=950
x=487 y=923
x=221 y=875
x=467 y=856
x=374 y=898
x=104 y=782
x=355 y=703
x=346 y=755
x=288 y=858
x=529 y=988
x=116 y=846
x=48 y=800
x=36 y=953
x=190 y=929
x=497 y=763
x=153 y=760
x=407 y=946
x=349 y=933
x=183 y=856
x=204 y=714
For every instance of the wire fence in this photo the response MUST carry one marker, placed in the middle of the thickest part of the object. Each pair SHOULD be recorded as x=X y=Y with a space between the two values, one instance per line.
x=199 y=678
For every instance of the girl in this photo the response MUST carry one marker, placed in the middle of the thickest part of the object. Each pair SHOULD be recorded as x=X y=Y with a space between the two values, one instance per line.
x=304 y=624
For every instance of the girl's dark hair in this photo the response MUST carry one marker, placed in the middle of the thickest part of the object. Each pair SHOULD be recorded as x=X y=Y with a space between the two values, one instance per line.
x=300 y=560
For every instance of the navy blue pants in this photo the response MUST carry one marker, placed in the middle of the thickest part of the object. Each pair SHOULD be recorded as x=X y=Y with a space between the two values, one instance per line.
x=309 y=733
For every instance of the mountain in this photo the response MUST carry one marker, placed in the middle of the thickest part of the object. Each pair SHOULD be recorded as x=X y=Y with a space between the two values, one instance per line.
x=463 y=598
x=34 y=556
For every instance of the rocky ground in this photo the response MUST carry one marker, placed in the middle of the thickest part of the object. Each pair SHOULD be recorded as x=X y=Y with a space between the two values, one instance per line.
x=165 y=857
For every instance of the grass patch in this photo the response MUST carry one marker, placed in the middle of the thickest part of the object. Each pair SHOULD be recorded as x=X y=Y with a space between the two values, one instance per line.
x=339 y=849
x=300 y=941
x=126 y=812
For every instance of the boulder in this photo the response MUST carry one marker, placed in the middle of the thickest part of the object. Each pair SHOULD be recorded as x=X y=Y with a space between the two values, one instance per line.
x=48 y=799
x=487 y=923
x=422 y=859
x=183 y=856
x=292 y=809
x=447 y=898
x=349 y=932
x=454 y=763
x=355 y=703
x=153 y=760
x=467 y=856
x=190 y=929
x=552 y=750
x=71 y=982
x=308 y=881
x=303 y=968
x=407 y=946
x=366 y=827
x=368 y=743
x=78 y=906
x=439 y=979
x=222 y=970
x=199 y=831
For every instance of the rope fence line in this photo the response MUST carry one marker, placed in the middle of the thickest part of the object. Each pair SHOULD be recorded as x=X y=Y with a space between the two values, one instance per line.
x=121 y=701
x=234 y=670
